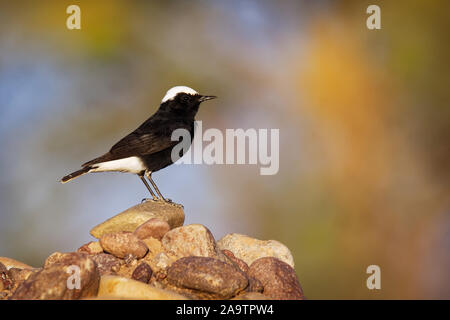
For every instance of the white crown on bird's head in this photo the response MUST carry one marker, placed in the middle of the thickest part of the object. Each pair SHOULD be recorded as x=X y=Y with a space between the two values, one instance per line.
x=172 y=92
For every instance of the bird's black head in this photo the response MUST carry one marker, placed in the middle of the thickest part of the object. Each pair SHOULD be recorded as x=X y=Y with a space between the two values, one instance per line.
x=183 y=101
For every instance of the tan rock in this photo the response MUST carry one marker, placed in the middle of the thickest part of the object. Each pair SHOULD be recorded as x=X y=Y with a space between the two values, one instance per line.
x=250 y=249
x=123 y=288
x=155 y=228
x=11 y=263
x=92 y=247
x=133 y=217
x=122 y=243
x=190 y=240
x=161 y=262
x=154 y=247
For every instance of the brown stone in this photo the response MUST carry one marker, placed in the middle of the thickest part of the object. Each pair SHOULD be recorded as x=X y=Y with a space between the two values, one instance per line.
x=142 y=273
x=3 y=268
x=278 y=279
x=155 y=228
x=207 y=275
x=238 y=262
x=122 y=243
x=6 y=283
x=19 y=275
x=254 y=285
x=107 y=264
x=56 y=279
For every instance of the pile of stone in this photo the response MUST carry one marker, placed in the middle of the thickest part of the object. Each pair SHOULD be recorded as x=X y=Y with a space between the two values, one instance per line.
x=145 y=252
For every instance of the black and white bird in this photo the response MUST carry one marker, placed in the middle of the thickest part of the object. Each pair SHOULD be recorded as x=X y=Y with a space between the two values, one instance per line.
x=149 y=148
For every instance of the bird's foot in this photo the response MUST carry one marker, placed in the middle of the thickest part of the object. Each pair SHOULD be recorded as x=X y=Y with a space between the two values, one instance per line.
x=148 y=199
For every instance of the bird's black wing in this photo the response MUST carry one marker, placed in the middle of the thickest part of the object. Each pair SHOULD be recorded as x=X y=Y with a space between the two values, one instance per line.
x=150 y=137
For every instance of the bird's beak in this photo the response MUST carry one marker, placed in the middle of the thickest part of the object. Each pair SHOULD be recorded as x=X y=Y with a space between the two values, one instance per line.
x=205 y=98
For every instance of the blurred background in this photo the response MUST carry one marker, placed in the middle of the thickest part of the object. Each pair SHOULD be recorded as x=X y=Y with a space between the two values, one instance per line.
x=364 y=119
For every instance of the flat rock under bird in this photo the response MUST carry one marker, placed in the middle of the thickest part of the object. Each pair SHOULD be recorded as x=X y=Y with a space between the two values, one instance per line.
x=149 y=148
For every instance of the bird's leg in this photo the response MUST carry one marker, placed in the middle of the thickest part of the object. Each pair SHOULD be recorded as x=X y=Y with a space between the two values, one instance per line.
x=148 y=187
x=149 y=177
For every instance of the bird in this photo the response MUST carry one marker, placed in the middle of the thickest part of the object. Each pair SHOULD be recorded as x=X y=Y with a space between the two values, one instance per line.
x=149 y=148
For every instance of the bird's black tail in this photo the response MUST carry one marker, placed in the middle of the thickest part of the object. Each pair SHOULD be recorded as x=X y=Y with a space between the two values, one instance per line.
x=75 y=174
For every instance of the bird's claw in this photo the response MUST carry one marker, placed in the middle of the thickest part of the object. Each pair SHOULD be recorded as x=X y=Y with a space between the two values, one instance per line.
x=157 y=199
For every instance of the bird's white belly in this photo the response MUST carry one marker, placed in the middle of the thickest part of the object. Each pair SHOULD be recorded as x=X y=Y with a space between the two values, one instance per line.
x=131 y=164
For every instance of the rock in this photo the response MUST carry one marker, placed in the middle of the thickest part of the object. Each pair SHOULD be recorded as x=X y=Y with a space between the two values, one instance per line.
x=142 y=273
x=119 y=287
x=107 y=264
x=66 y=258
x=250 y=249
x=3 y=268
x=11 y=263
x=126 y=271
x=6 y=283
x=13 y=278
x=20 y=275
x=238 y=262
x=130 y=260
x=154 y=247
x=122 y=243
x=154 y=227
x=161 y=262
x=278 y=279
x=132 y=218
x=190 y=240
x=58 y=279
x=251 y=296
x=254 y=285
x=207 y=275
x=92 y=247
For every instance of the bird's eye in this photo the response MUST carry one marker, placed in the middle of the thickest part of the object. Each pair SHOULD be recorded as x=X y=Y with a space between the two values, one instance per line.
x=185 y=98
